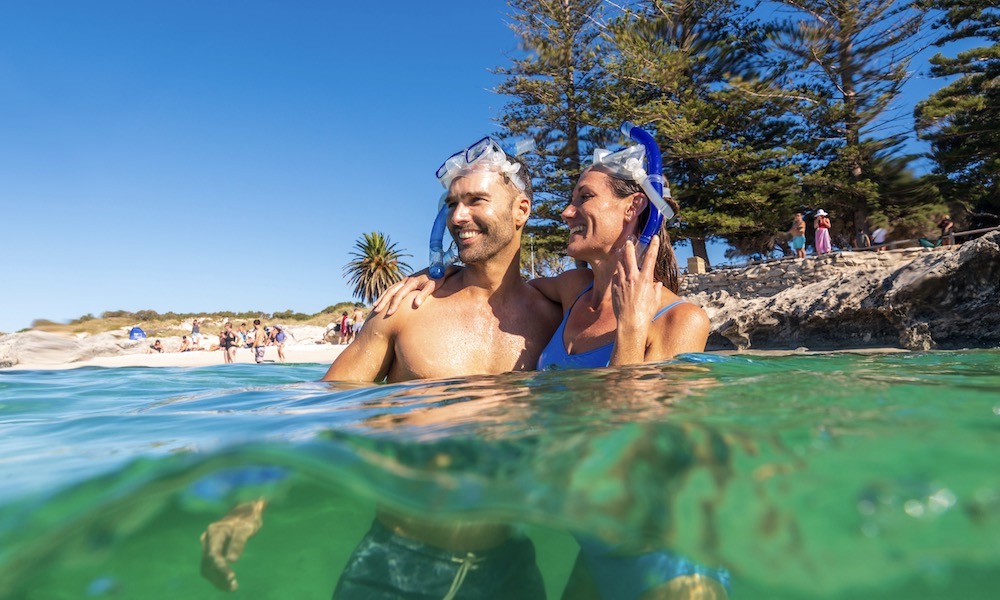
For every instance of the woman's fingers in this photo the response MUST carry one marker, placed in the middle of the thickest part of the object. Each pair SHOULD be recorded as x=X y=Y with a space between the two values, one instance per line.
x=387 y=296
x=629 y=258
x=649 y=260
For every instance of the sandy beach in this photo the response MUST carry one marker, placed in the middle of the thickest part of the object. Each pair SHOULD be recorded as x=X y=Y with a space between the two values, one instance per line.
x=316 y=353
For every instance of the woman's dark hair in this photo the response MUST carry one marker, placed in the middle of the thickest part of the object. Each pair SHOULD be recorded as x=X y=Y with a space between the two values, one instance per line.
x=666 y=271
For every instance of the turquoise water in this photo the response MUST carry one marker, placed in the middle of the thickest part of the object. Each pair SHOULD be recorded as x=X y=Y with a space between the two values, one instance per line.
x=820 y=476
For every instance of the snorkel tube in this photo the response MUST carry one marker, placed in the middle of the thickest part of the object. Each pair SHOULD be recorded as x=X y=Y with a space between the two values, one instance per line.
x=438 y=258
x=653 y=184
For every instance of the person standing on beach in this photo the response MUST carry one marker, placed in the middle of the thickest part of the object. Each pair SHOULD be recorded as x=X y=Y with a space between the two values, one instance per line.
x=345 y=331
x=196 y=332
x=259 y=341
x=798 y=234
x=822 y=226
x=278 y=337
x=227 y=342
x=488 y=200
x=359 y=320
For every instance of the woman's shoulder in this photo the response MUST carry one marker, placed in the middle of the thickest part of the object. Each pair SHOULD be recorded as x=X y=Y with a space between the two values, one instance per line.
x=564 y=287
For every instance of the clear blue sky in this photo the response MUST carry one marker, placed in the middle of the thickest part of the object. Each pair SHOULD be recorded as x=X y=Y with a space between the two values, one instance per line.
x=199 y=156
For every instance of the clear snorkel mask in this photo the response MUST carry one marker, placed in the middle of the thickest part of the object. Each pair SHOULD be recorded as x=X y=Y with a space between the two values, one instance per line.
x=642 y=164
x=484 y=155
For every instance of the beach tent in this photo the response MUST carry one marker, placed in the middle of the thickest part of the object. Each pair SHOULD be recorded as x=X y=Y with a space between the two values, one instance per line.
x=136 y=334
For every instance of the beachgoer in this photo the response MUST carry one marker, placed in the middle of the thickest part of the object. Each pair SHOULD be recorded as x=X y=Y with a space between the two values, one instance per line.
x=259 y=341
x=156 y=346
x=345 y=331
x=947 y=228
x=861 y=240
x=822 y=226
x=278 y=336
x=242 y=341
x=798 y=234
x=488 y=200
x=227 y=342
x=878 y=238
x=196 y=332
x=185 y=344
x=358 y=317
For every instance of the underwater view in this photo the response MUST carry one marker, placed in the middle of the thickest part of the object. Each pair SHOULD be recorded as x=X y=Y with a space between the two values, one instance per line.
x=804 y=476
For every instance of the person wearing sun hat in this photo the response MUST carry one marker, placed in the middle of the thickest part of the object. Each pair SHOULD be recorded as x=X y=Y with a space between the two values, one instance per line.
x=822 y=225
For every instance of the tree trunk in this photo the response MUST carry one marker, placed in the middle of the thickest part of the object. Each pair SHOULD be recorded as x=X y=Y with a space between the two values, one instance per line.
x=700 y=249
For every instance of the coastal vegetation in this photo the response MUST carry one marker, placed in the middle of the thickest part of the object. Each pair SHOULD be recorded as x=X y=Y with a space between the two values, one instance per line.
x=763 y=109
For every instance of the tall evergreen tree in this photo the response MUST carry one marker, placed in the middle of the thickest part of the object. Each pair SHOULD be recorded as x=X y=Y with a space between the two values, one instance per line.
x=692 y=71
x=852 y=58
x=377 y=264
x=962 y=119
x=551 y=86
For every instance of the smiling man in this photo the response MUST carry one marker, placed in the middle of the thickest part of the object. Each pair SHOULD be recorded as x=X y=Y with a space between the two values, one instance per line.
x=482 y=320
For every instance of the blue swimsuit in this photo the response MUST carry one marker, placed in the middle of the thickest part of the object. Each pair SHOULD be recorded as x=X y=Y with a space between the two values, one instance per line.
x=620 y=576
x=554 y=356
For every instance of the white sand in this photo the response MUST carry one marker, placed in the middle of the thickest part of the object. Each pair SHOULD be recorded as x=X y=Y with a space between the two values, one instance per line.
x=312 y=353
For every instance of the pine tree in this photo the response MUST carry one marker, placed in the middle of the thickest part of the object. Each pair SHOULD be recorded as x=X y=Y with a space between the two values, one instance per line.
x=692 y=71
x=550 y=87
x=852 y=58
x=962 y=119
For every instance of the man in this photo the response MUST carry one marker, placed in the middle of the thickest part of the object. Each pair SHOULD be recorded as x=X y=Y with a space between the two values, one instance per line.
x=259 y=341
x=500 y=324
x=359 y=320
x=196 y=332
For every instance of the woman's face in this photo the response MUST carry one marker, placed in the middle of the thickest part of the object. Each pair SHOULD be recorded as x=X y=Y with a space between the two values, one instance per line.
x=598 y=219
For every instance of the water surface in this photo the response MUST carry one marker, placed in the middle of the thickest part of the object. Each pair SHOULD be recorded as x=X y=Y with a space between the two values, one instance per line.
x=820 y=476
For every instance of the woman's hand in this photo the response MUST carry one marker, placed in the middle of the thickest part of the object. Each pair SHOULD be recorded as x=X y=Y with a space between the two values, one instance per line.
x=419 y=284
x=636 y=297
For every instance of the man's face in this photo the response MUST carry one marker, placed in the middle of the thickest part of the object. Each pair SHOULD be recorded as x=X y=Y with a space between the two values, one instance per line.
x=483 y=216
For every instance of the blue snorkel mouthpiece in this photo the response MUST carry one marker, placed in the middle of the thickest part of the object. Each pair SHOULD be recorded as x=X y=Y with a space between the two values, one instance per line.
x=652 y=182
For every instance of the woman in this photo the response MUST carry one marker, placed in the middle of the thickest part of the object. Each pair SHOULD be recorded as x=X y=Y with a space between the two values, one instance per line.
x=278 y=337
x=822 y=226
x=798 y=235
x=227 y=342
x=623 y=310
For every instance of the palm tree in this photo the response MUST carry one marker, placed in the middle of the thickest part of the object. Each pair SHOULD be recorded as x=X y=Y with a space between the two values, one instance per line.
x=375 y=267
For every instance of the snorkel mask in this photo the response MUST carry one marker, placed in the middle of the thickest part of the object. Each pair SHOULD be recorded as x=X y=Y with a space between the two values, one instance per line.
x=484 y=155
x=628 y=164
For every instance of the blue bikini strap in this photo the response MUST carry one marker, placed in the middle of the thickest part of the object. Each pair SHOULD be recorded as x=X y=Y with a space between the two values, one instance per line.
x=666 y=308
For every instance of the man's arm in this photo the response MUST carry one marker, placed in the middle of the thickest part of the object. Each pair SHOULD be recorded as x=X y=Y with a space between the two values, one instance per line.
x=370 y=356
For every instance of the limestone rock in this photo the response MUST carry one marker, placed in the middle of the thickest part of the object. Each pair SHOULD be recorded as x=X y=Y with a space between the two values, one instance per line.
x=915 y=298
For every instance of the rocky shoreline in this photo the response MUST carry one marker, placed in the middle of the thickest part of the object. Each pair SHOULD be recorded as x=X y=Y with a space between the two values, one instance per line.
x=916 y=298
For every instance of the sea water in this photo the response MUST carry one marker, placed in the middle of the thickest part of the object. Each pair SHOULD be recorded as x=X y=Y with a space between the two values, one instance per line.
x=806 y=476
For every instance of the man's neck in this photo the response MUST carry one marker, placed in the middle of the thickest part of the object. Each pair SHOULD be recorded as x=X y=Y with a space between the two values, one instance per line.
x=495 y=276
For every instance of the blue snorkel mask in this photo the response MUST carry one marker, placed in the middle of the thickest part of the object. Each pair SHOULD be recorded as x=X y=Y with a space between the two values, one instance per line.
x=484 y=155
x=629 y=164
